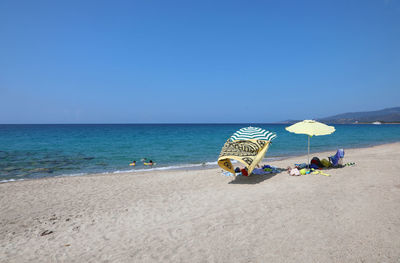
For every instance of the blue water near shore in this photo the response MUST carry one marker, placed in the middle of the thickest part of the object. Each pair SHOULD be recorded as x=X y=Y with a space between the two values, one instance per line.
x=35 y=151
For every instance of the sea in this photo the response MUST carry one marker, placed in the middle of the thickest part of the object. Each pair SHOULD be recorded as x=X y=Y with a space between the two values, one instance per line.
x=37 y=151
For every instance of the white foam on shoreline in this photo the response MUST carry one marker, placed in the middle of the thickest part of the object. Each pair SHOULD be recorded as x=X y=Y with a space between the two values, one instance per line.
x=11 y=180
x=205 y=165
x=77 y=174
x=172 y=167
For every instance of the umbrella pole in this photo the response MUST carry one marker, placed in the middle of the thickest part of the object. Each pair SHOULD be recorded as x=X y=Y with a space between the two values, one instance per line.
x=308 y=154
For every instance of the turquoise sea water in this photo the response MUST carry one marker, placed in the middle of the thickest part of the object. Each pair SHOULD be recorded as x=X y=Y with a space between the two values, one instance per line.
x=34 y=151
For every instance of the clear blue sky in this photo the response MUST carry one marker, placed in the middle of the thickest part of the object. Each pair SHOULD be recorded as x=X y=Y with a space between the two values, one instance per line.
x=196 y=61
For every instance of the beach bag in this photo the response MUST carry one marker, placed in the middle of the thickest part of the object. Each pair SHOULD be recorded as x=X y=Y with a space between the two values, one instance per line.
x=317 y=162
x=326 y=163
x=244 y=172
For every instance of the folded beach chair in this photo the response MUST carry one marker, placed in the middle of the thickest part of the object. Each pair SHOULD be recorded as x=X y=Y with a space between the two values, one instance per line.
x=337 y=159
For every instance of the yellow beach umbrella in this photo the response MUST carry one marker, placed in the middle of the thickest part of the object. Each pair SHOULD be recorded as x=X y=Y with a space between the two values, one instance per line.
x=310 y=128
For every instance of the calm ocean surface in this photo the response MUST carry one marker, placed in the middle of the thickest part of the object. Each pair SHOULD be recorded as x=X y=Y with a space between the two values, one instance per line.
x=35 y=151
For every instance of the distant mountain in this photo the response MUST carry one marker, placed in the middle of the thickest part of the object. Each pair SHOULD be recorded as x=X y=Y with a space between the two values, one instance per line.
x=391 y=115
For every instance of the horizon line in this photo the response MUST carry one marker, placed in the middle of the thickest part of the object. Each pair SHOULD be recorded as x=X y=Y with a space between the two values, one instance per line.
x=134 y=123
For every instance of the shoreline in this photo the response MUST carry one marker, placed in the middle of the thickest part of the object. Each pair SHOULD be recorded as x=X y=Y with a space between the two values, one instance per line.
x=201 y=215
x=195 y=167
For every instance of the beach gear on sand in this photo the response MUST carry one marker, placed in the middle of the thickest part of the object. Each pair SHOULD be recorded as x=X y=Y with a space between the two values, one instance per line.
x=259 y=171
x=326 y=163
x=248 y=146
x=264 y=171
x=304 y=171
x=228 y=173
x=317 y=162
x=300 y=165
x=310 y=128
x=320 y=172
x=271 y=169
x=294 y=172
x=337 y=158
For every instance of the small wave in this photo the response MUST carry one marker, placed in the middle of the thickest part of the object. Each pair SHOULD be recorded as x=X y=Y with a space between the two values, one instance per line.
x=11 y=180
x=272 y=159
x=77 y=174
x=211 y=163
x=163 y=168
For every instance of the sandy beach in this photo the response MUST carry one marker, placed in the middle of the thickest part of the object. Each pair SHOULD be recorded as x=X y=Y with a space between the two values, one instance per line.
x=203 y=216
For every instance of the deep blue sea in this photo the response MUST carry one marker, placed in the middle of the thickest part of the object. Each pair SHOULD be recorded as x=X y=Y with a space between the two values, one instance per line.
x=35 y=151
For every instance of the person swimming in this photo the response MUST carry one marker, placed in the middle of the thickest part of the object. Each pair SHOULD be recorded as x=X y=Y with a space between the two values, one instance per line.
x=151 y=163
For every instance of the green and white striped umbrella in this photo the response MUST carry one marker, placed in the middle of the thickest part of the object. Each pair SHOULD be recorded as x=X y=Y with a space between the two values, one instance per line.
x=255 y=133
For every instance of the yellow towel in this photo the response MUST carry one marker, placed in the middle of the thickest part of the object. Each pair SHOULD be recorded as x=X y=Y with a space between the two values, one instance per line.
x=320 y=172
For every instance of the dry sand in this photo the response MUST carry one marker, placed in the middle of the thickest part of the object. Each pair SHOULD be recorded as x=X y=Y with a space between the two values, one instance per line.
x=203 y=216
